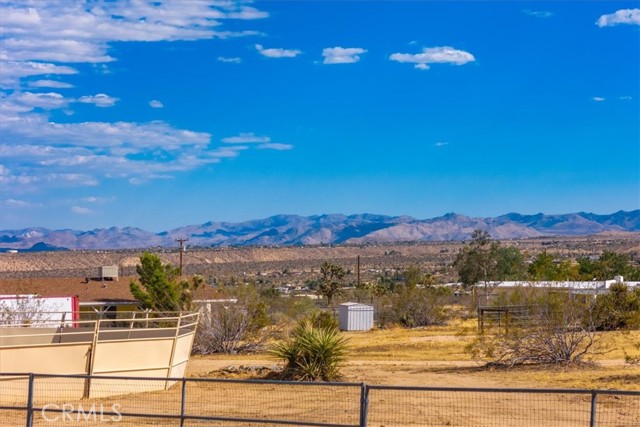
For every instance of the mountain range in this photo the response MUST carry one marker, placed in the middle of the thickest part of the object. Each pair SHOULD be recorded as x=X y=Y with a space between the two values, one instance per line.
x=289 y=230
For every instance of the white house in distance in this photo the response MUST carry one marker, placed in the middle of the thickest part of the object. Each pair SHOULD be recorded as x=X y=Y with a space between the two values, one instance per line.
x=590 y=287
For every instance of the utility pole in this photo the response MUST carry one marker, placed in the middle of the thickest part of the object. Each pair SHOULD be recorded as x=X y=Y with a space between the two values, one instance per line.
x=358 y=283
x=181 y=241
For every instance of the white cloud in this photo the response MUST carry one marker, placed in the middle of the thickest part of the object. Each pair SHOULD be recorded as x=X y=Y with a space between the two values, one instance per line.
x=622 y=16
x=264 y=142
x=625 y=98
x=98 y=200
x=99 y=100
x=275 y=146
x=228 y=152
x=598 y=99
x=48 y=101
x=50 y=84
x=20 y=203
x=246 y=12
x=36 y=34
x=37 y=153
x=342 y=55
x=230 y=60
x=277 y=52
x=441 y=143
x=81 y=210
x=11 y=71
x=434 y=55
x=538 y=13
x=246 y=138
x=156 y=104
x=48 y=40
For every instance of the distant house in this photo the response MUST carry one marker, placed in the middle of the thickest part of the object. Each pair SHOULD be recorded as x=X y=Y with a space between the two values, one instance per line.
x=590 y=287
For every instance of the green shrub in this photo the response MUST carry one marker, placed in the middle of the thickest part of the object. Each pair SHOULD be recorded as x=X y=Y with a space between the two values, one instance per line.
x=312 y=353
x=618 y=309
x=323 y=319
x=413 y=307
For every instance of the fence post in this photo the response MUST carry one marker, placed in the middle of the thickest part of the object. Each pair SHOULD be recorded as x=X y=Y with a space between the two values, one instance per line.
x=183 y=401
x=592 y=420
x=364 y=404
x=30 y=401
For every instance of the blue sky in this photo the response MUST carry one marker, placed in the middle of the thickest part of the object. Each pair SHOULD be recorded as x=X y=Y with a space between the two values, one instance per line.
x=162 y=114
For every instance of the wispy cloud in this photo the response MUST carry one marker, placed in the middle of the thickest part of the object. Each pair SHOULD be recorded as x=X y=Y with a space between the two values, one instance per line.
x=15 y=203
x=99 y=200
x=538 y=13
x=29 y=101
x=277 y=52
x=622 y=16
x=38 y=35
x=12 y=71
x=81 y=210
x=247 y=12
x=230 y=60
x=598 y=99
x=264 y=142
x=342 y=55
x=50 y=84
x=275 y=146
x=434 y=55
x=626 y=98
x=441 y=143
x=53 y=40
x=246 y=138
x=99 y=100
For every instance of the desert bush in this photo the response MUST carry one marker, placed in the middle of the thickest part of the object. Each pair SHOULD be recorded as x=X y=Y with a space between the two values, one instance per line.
x=312 y=353
x=25 y=310
x=240 y=327
x=323 y=319
x=618 y=309
x=633 y=358
x=232 y=329
x=412 y=307
x=557 y=331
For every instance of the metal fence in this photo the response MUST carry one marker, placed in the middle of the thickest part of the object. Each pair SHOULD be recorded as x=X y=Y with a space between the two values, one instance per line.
x=39 y=400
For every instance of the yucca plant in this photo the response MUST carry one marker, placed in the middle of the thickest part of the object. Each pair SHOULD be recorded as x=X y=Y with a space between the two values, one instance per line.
x=312 y=353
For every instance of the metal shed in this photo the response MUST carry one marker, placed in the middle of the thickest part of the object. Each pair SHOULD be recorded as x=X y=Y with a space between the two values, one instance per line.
x=354 y=316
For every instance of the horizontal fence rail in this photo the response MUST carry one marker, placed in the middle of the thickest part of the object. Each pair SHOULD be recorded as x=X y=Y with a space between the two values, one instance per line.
x=25 y=399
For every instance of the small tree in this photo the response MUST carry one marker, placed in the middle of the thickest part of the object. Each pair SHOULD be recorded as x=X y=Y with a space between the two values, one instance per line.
x=159 y=287
x=330 y=285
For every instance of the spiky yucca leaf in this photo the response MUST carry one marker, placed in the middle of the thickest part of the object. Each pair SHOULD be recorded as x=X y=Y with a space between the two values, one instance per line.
x=312 y=354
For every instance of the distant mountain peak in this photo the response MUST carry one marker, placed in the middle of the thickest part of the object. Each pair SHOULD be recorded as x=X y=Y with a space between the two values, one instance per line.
x=291 y=229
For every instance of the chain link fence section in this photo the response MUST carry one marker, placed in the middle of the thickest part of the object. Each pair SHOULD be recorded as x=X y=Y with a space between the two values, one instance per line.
x=81 y=400
x=14 y=393
x=390 y=406
x=118 y=401
x=272 y=403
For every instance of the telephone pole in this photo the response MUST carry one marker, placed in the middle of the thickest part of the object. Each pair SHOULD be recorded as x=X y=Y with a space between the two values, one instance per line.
x=181 y=241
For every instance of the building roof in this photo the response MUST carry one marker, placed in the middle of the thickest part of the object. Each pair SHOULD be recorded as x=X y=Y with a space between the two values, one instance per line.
x=94 y=290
